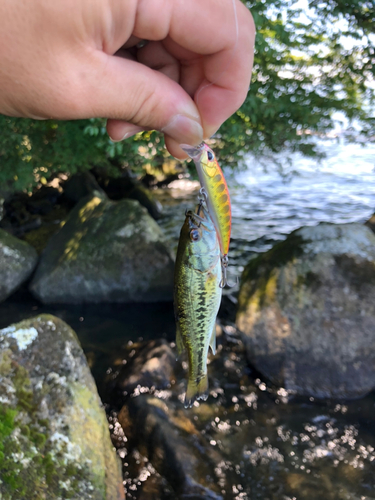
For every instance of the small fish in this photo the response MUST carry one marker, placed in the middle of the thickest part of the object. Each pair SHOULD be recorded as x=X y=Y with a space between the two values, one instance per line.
x=213 y=181
x=197 y=297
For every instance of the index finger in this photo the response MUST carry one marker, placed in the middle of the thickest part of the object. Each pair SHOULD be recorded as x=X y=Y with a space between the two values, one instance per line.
x=213 y=39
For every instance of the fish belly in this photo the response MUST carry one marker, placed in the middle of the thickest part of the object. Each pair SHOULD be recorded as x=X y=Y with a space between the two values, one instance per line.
x=198 y=297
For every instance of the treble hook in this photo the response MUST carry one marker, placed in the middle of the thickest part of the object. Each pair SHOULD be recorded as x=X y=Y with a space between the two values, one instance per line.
x=203 y=193
x=224 y=267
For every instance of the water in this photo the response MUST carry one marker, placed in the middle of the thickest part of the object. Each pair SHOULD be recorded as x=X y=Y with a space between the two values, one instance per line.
x=267 y=207
x=274 y=446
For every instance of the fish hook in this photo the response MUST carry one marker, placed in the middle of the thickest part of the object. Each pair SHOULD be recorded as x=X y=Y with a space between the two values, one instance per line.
x=203 y=193
x=224 y=268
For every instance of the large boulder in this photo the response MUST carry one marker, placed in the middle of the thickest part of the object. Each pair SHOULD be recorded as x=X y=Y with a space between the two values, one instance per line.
x=307 y=311
x=17 y=261
x=106 y=252
x=54 y=437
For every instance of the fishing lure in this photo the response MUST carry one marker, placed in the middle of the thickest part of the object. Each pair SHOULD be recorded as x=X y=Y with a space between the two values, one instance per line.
x=197 y=297
x=215 y=190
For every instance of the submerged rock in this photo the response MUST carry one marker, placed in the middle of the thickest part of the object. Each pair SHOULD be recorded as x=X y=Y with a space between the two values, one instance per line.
x=307 y=311
x=173 y=445
x=152 y=367
x=54 y=439
x=17 y=261
x=106 y=252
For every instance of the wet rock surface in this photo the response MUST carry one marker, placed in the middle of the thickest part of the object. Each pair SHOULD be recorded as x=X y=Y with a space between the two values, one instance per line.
x=17 y=262
x=307 y=311
x=371 y=223
x=249 y=441
x=106 y=252
x=54 y=440
x=152 y=366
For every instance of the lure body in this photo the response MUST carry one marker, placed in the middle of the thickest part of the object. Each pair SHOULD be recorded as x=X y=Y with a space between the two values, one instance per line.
x=212 y=180
x=197 y=297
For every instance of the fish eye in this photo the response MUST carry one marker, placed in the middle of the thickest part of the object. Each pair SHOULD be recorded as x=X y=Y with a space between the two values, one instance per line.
x=210 y=156
x=194 y=235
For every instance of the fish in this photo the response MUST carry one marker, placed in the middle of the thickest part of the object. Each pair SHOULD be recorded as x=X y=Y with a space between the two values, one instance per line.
x=215 y=188
x=197 y=297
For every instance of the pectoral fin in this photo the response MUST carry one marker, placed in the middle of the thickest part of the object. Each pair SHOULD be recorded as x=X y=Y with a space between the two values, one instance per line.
x=213 y=340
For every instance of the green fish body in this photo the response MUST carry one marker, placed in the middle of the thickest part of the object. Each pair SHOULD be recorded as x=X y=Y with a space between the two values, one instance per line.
x=197 y=297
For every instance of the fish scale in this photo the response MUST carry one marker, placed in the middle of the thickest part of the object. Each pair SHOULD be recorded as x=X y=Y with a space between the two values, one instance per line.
x=197 y=297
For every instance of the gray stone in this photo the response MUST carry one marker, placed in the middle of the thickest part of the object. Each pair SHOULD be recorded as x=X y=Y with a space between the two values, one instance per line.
x=17 y=261
x=54 y=434
x=106 y=252
x=307 y=311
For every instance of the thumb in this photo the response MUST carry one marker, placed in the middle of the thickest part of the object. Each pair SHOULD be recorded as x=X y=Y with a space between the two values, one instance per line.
x=135 y=97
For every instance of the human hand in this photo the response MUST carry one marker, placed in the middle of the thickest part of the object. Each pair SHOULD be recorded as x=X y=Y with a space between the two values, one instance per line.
x=72 y=59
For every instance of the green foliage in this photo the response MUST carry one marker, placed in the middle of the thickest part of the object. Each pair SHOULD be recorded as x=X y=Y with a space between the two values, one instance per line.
x=309 y=63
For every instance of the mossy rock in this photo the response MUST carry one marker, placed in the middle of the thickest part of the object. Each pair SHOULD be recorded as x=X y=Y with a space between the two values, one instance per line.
x=106 y=252
x=54 y=438
x=307 y=311
x=17 y=261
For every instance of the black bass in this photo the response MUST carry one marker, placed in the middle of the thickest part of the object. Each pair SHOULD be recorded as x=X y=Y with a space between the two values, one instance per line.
x=197 y=297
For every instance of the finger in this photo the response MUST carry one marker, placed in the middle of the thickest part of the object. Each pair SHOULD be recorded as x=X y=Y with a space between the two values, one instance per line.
x=155 y=56
x=228 y=76
x=211 y=39
x=126 y=90
x=119 y=130
x=131 y=42
x=174 y=148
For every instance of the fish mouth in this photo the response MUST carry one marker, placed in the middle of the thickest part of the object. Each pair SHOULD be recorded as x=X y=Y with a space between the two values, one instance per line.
x=193 y=151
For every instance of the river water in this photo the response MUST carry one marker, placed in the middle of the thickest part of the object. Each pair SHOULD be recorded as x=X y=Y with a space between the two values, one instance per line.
x=275 y=446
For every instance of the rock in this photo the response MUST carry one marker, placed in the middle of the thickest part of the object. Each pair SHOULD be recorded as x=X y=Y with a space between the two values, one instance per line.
x=145 y=198
x=371 y=223
x=152 y=367
x=79 y=186
x=54 y=439
x=17 y=261
x=106 y=252
x=159 y=432
x=118 y=188
x=43 y=200
x=307 y=311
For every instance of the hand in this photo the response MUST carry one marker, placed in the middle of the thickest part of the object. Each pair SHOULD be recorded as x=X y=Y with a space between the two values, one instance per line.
x=71 y=59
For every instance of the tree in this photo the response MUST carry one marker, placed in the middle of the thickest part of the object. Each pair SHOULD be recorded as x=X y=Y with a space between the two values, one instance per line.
x=312 y=59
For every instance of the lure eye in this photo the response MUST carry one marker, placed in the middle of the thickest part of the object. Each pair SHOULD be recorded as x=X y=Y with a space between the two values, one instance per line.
x=194 y=235
x=210 y=156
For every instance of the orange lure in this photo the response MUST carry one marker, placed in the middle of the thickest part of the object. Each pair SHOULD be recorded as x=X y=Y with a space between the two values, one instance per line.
x=215 y=187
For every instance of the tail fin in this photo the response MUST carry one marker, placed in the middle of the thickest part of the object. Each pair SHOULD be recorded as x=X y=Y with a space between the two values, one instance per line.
x=196 y=389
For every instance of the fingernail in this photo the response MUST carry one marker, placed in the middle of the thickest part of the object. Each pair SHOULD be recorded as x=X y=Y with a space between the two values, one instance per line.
x=184 y=130
x=129 y=132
